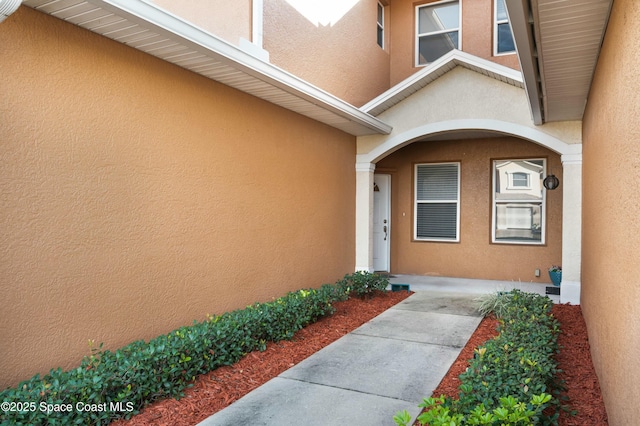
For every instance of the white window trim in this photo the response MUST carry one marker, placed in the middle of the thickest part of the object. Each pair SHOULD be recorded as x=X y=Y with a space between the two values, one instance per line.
x=416 y=202
x=380 y=24
x=543 y=207
x=496 y=22
x=416 y=39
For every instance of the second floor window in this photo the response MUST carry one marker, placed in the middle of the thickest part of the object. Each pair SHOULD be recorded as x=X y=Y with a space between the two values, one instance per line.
x=438 y=28
x=502 y=37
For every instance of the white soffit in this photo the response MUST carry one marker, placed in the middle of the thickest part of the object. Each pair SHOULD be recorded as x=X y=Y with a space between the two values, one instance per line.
x=434 y=71
x=152 y=30
x=558 y=43
x=570 y=34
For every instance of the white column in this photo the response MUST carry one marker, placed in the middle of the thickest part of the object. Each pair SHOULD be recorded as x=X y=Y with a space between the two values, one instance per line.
x=364 y=216
x=571 y=228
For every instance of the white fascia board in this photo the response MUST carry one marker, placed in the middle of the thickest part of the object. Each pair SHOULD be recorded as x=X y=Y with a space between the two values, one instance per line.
x=521 y=27
x=456 y=57
x=147 y=14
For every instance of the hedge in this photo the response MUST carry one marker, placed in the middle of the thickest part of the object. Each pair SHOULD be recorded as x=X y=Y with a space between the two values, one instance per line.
x=117 y=384
x=512 y=377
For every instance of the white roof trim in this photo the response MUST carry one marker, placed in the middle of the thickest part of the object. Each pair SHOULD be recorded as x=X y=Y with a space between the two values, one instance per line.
x=434 y=71
x=148 y=28
x=558 y=44
x=522 y=29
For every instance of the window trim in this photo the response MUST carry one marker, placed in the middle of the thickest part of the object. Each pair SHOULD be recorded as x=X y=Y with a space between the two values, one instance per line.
x=380 y=25
x=543 y=202
x=417 y=35
x=416 y=202
x=496 y=23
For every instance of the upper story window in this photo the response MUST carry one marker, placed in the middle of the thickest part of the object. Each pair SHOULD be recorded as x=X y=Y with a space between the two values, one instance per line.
x=438 y=30
x=502 y=37
x=380 y=25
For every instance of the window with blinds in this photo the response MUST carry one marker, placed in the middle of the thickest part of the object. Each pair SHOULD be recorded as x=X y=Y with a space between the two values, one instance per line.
x=437 y=202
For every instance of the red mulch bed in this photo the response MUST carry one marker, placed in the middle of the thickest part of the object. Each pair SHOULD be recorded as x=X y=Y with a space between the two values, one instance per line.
x=216 y=390
x=574 y=360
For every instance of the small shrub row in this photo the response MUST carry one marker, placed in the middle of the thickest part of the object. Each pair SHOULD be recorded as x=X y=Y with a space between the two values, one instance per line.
x=116 y=384
x=511 y=378
x=363 y=283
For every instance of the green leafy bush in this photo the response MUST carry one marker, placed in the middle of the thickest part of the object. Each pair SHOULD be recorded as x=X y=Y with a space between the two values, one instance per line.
x=114 y=384
x=363 y=283
x=511 y=378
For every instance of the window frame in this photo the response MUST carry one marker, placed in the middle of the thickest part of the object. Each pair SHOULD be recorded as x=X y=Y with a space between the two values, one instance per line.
x=509 y=185
x=418 y=35
x=380 y=26
x=496 y=23
x=416 y=202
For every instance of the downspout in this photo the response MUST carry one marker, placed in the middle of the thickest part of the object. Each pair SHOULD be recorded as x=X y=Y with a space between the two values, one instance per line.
x=7 y=7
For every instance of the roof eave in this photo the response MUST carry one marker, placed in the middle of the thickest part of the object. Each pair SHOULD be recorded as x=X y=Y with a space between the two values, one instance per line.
x=434 y=71
x=522 y=28
x=302 y=97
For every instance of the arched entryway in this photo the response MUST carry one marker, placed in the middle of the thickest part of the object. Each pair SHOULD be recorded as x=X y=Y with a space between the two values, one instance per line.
x=484 y=139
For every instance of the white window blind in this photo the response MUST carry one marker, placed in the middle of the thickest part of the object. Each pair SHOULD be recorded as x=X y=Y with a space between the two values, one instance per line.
x=437 y=200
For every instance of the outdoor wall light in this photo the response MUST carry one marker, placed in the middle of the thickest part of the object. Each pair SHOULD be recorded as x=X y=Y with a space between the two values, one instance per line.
x=551 y=182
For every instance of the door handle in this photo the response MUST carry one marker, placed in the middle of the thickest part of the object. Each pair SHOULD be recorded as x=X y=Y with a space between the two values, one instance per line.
x=384 y=228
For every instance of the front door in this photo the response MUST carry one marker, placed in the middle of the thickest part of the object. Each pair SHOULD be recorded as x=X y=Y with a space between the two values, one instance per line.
x=381 y=222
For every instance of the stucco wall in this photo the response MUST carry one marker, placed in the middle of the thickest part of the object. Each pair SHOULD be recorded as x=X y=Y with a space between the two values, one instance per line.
x=344 y=58
x=474 y=256
x=611 y=202
x=229 y=20
x=477 y=35
x=138 y=197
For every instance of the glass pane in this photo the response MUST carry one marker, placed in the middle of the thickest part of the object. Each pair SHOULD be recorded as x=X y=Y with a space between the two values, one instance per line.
x=505 y=39
x=521 y=179
x=510 y=175
x=437 y=182
x=438 y=221
x=519 y=222
x=518 y=199
x=432 y=47
x=438 y=18
x=380 y=14
x=380 y=37
x=501 y=12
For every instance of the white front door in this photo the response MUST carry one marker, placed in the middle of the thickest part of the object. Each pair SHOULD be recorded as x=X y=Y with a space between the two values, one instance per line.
x=381 y=222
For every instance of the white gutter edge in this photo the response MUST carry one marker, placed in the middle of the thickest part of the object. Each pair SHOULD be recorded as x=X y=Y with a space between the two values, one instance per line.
x=519 y=16
x=148 y=14
x=459 y=58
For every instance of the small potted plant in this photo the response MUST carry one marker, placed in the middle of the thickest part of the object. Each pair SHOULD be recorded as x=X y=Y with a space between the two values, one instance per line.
x=555 y=273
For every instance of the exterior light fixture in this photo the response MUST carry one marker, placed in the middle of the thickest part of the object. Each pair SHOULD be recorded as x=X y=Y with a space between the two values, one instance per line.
x=551 y=182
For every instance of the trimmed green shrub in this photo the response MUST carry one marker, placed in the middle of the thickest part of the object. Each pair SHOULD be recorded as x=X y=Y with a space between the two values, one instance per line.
x=512 y=377
x=116 y=384
x=363 y=283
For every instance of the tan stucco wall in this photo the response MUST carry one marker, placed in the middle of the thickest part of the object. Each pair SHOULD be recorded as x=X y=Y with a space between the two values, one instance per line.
x=474 y=256
x=342 y=59
x=477 y=35
x=229 y=20
x=611 y=202
x=138 y=197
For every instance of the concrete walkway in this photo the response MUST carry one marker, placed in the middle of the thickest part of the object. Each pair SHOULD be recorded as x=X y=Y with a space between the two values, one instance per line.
x=387 y=365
